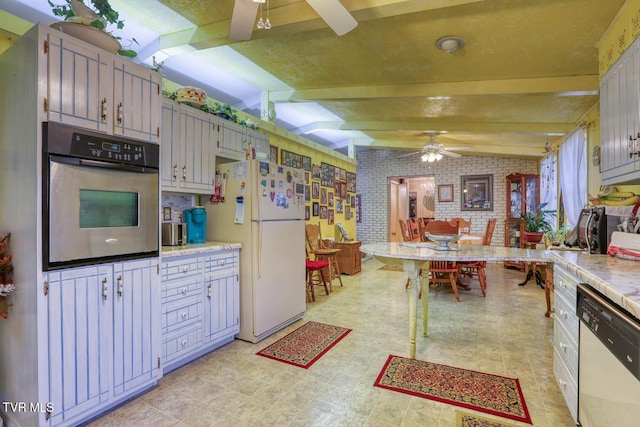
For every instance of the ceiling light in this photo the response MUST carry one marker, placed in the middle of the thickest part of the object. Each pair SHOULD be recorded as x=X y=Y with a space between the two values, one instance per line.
x=450 y=43
x=266 y=25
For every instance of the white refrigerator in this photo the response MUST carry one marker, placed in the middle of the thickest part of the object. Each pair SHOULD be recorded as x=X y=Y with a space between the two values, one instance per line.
x=263 y=209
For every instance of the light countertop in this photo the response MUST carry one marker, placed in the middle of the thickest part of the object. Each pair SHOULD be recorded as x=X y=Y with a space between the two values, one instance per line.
x=194 y=249
x=616 y=278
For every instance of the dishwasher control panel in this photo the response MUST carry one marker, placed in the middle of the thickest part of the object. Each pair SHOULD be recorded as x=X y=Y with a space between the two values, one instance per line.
x=617 y=330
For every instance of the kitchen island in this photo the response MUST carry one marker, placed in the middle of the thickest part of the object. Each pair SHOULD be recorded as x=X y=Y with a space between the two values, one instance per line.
x=415 y=258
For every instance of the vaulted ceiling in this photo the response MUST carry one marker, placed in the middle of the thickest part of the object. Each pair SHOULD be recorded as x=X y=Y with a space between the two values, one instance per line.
x=526 y=75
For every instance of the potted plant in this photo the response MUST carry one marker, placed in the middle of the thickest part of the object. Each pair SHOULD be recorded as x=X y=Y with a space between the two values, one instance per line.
x=537 y=223
x=76 y=14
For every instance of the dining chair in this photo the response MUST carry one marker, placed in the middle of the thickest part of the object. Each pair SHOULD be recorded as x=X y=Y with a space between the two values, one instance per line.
x=322 y=253
x=404 y=229
x=440 y=227
x=414 y=230
x=464 y=226
x=444 y=272
x=476 y=270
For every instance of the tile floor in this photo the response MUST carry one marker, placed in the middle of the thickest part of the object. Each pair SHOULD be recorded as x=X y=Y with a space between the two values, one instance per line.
x=505 y=333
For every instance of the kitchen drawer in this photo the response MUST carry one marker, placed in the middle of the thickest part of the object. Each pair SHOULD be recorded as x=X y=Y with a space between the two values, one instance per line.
x=181 y=289
x=177 y=268
x=565 y=312
x=565 y=284
x=181 y=343
x=566 y=345
x=567 y=384
x=220 y=261
x=181 y=314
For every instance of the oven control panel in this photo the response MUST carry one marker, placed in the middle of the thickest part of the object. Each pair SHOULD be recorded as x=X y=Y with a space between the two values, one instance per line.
x=106 y=150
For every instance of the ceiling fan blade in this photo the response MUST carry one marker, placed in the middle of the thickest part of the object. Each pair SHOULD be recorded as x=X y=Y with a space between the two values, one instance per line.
x=410 y=154
x=334 y=14
x=242 y=20
x=450 y=154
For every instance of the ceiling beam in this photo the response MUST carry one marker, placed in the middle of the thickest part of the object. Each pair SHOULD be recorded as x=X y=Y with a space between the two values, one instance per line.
x=449 y=125
x=586 y=85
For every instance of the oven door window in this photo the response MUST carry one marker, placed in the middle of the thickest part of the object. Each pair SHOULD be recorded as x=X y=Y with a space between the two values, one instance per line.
x=100 y=208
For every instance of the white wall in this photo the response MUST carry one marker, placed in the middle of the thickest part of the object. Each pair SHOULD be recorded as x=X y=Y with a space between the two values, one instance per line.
x=375 y=166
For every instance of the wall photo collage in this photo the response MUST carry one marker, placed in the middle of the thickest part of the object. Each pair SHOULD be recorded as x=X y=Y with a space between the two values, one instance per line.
x=329 y=189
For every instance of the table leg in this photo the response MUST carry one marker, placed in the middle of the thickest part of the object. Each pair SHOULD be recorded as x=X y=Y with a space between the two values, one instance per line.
x=413 y=270
x=425 y=297
x=548 y=287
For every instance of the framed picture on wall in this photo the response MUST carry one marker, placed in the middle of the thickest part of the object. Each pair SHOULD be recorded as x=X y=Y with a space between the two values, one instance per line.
x=315 y=208
x=289 y=158
x=315 y=190
x=445 y=193
x=330 y=200
x=330 y=217
x=306 y=163
x=323 y=212
x=307 y=177
x=316 y=172
x=323 y=196
x=307 y=193
x=307 y=213
x=477 y=193
x=273 y=153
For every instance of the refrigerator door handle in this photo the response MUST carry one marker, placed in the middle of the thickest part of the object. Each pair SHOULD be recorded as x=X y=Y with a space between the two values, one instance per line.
x=258 y=257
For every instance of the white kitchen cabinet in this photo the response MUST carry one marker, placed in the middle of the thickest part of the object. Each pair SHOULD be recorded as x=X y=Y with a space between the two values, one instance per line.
x=188 y=149
x=620 y=119
x=93 y=89
x=103 y=336
x=200 y=304
x=222 y=293
x=136 y=325
x=234 y=140
x=565 y=336
x=137 y=92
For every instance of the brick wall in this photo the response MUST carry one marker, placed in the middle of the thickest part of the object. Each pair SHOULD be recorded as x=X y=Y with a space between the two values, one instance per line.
x=376 y=166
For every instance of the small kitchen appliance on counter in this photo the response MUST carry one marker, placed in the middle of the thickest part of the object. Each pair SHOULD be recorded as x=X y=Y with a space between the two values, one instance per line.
x=174 y=234
x=196 y=221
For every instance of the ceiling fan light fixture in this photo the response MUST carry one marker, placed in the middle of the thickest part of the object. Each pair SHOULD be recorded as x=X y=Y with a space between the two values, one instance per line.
x=450 y=43
x=438 y=157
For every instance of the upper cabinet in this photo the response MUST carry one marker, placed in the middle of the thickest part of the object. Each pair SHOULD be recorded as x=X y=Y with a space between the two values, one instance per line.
x=235 y=141
x=92 y=89
x=187 y=149
x=620 y=120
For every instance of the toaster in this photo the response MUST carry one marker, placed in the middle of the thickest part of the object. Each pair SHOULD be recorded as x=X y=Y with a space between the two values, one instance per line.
x=174 y=234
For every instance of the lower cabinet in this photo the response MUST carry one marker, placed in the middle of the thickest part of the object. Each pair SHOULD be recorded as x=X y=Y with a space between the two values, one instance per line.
x=104 y=337
x=349 y=257
x=565 y=336
x=200 y=304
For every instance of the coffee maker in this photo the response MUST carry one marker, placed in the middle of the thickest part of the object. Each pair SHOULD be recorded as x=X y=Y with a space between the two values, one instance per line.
x=196 y=220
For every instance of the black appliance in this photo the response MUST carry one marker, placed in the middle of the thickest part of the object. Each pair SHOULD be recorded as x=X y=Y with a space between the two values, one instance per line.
x=592 y=230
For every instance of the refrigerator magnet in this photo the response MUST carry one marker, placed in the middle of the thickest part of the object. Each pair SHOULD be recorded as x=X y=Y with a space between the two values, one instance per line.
x=263 y=182
x=264 y=168
x=289 y=193
x=273 y=183
x=280 y=185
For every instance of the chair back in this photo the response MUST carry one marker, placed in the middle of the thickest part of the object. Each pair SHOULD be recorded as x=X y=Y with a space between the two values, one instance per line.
x=440 y=227
x=414 y=229
x=443 y=266
x=314 y=239
x=488 y=232
x=404 y=229
x=464 y=226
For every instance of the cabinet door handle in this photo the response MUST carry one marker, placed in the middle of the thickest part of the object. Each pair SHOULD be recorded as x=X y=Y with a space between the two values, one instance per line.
x=184 y=315
x=119 y=113
x=105 y=288
x=184 y=291
x=184 y=343
x=184 y=172
x=185 y=268
x=175 y=171
x=209 y=291
x=120 y=285
x=103 y=109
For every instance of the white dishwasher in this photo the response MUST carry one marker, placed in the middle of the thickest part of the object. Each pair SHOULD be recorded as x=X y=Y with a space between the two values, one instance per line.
x=609 y=363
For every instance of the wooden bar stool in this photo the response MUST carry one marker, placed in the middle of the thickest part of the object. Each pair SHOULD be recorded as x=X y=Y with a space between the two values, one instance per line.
x=322 y=253
x=315 y=268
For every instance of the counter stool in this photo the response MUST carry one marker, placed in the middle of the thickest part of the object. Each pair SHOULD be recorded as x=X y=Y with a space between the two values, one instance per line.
x=322 y=253
x=314 y=269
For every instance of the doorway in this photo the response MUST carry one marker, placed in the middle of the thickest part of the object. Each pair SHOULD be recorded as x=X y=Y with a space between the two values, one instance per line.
x=409 y=197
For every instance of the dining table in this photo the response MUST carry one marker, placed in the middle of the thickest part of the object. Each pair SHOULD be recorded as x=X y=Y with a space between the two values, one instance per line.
x=415 y=257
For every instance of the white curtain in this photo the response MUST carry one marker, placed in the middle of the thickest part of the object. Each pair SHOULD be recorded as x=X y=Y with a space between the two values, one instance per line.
x=549 y=182
x=573 y=175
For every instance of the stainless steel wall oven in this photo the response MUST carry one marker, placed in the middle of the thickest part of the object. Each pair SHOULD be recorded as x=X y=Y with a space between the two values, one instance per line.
x=100 y=197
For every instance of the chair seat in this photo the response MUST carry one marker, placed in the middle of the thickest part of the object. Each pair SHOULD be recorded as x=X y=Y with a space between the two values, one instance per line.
x=316 y=265
x=325 y=252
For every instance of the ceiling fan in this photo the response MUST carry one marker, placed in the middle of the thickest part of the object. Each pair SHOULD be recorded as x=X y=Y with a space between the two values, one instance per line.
x=332 y=11
x=434 y=151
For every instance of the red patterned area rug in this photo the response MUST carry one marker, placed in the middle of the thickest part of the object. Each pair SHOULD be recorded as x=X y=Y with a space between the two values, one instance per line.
x=491 y=394
x=465 y=419
x=305 y=345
